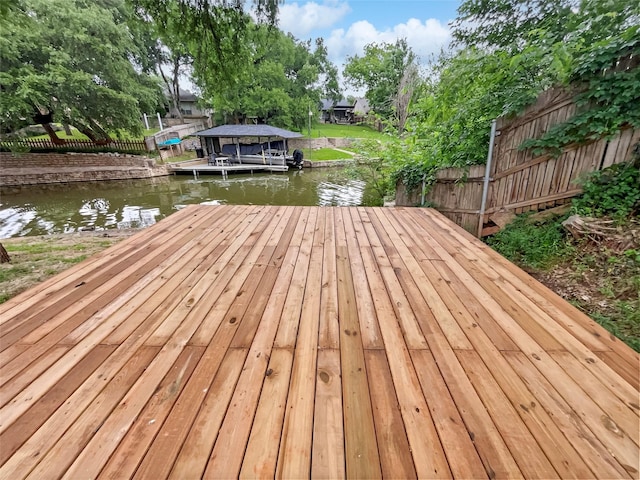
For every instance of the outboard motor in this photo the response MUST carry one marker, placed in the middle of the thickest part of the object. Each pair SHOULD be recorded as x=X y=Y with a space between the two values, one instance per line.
x=297 y=158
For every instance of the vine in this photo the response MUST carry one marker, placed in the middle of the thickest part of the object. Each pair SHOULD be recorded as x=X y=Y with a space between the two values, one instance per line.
x=608 y=76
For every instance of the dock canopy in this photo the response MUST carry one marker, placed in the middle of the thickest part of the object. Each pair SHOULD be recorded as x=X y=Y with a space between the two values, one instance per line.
x=238 y=131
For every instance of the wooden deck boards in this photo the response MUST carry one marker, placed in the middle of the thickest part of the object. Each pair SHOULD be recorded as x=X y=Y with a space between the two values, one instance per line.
x=360 y=342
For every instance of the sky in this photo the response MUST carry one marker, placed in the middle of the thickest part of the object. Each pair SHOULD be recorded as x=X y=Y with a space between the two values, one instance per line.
x=348 y=25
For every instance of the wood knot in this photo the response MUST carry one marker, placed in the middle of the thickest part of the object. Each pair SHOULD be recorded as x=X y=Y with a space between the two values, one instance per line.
x=611 y=426
x=269 y=372
x=324 y=376
x=232 y=320
x=590 y=360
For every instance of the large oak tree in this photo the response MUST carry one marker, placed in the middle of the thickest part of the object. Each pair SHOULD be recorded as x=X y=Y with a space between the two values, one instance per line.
x=74 y=62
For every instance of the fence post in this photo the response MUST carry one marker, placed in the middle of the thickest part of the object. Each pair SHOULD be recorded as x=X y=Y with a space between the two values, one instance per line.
x=487 y=173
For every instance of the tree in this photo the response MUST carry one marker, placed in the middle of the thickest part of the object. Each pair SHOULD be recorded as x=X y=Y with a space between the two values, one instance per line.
x=278 y=83
x=71 y=62
x=507 y=24
x=505 y=59
x=163 y=53
x=214 y=31
x=409 y=82
x=381 y=71
x=328 y=79
x=511 y=24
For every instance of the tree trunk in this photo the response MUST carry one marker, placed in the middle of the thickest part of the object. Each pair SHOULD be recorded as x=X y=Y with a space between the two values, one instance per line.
x=52 y=134
x=176 y=88
x=4 y=256
x=67 y=129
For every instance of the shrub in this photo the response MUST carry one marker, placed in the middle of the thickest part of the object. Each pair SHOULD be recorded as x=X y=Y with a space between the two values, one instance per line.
x=614 y=191
x=535 y=246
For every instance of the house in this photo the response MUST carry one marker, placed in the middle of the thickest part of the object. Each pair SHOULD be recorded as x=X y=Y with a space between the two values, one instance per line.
x=344 y=111
x=361 y=110
x=336 y=112
x=191 y=111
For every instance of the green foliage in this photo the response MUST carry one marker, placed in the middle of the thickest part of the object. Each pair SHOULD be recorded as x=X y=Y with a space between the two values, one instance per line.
x=505 y=24
x=280 y=80
x=213 y=31
x=607 y=97
x=624 y=323
x=474 y=87
x=383 y=163
x=345 y=131
x=380 y=71
x=614 y=191
x=531 y=245
x=374 y=164
x=74 y=59
x=512 y=50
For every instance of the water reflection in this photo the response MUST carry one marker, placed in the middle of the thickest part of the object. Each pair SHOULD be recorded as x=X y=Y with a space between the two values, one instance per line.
x=39 y=210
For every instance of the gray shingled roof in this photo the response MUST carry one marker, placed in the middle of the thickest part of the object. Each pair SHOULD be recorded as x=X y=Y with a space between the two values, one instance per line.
x=232 y=131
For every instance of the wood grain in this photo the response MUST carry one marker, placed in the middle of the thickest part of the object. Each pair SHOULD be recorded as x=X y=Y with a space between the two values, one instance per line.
x=260 y=341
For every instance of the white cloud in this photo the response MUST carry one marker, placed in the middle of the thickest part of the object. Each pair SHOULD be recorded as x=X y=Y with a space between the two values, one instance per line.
x=425 y=38
x=300 y=20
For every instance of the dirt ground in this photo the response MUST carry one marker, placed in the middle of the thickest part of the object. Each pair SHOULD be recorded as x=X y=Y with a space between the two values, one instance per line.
x=603 y=280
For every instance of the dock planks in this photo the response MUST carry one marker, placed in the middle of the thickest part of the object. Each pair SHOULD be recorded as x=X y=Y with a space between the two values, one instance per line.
x=261 y=341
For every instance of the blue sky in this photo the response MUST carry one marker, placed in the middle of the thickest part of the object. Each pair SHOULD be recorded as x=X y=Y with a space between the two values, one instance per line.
x=348 y=25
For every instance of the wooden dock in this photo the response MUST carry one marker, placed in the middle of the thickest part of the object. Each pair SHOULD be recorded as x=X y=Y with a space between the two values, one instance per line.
x=197 y=167
x=331 y=342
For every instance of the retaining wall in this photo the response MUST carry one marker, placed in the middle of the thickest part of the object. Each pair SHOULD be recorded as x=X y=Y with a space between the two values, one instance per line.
x=44 y=168
x=315 y=143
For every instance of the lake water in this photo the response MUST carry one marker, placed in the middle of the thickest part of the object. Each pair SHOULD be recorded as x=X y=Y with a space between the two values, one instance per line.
x=65 y=208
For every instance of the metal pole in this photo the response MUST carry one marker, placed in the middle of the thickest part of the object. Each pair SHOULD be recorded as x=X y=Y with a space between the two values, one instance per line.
x=487 y=172
x=424 y=178
x=146 y=121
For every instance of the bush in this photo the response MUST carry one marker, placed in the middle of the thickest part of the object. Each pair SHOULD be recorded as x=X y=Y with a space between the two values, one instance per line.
x=614 y=191
x=536 y=246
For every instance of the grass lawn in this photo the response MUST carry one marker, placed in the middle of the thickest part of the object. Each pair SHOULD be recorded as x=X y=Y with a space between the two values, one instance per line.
x=34 y=259
x=348 y=131
x=324 y=154
x=185 y=157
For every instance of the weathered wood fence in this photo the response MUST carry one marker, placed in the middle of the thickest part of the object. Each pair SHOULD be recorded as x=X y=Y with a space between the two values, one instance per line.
x=127 y=145
x=518 y=180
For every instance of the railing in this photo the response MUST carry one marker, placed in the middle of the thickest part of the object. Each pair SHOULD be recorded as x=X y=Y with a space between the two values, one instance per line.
x=41 y=144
